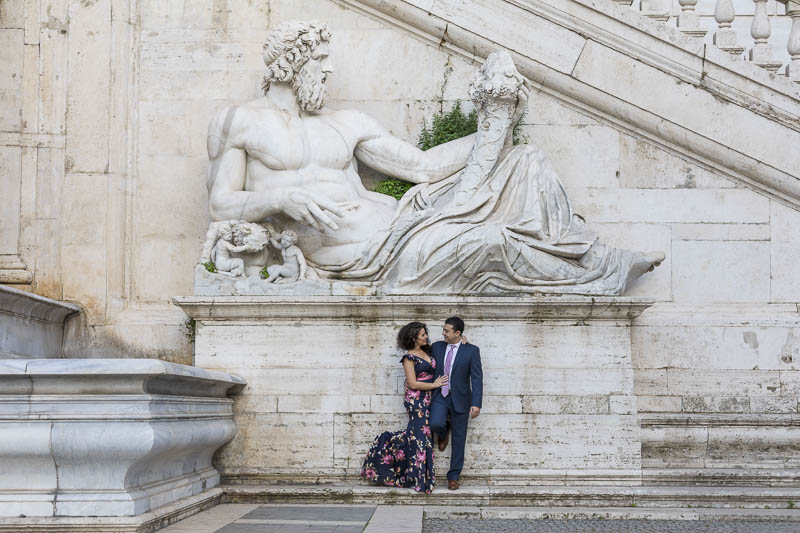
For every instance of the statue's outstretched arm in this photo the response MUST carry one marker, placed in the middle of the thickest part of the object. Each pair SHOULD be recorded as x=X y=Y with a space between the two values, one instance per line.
x=397 y=158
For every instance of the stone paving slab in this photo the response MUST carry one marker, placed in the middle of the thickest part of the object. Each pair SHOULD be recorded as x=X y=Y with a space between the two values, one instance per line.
x=396 y=519
x=277 y=518
x=328 y=513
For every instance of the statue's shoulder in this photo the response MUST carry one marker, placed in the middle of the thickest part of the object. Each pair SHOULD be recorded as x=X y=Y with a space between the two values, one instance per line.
x=364 y=124
x=235 y=120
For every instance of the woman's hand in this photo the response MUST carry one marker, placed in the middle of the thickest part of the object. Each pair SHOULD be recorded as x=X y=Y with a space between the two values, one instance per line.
x=440 y=381
x=464 y=339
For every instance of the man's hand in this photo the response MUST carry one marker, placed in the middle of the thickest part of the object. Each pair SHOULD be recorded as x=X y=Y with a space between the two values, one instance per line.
x=310 y=207
x=474 y=411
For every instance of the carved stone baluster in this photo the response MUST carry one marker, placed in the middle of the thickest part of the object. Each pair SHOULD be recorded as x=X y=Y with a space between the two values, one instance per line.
x=761 y=30
x=725 y=37
x=688 y=20
x=793 y=68
x=656 y=9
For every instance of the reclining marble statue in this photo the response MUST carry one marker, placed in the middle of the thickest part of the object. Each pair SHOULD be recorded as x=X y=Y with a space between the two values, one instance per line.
x=485 y=217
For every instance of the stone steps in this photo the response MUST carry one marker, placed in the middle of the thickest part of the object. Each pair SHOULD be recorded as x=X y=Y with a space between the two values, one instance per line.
x=470 y=497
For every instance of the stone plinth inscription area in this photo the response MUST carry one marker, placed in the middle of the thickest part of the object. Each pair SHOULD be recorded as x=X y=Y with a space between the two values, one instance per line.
x=324 y=378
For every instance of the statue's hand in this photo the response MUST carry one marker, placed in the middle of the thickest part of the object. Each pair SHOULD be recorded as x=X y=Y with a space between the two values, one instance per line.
x=310 y=207
x=522 y=102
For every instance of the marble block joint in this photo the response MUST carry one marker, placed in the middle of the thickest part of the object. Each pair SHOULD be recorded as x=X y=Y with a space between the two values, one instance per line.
x=108 y=437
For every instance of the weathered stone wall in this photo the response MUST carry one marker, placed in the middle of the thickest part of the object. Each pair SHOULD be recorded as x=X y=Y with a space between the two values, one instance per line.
x=558 y=403
x=102 y=156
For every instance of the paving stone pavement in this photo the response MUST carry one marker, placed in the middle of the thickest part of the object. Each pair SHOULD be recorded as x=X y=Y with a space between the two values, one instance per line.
x=607 y=526
x=342 y=518
x=236 y=518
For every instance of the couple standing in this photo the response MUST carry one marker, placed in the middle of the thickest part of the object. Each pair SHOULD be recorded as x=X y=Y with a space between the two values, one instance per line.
x=443 y=381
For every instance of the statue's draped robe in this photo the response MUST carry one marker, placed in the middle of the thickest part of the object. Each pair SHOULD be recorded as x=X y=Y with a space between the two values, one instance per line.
x=517 y=233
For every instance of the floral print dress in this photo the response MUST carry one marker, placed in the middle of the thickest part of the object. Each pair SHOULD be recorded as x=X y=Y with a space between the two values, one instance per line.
x=405 y=458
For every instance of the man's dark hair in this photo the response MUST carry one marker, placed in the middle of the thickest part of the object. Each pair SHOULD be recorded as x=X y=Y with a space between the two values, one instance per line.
x=457 y=323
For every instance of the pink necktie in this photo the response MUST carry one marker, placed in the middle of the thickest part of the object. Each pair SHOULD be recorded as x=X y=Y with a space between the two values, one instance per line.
x=448 y=364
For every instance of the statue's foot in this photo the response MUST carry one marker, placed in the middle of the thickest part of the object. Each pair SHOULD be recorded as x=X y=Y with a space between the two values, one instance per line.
x=644 y=262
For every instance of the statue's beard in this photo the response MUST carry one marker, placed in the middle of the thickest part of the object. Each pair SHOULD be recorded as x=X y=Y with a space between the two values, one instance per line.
x=310 y=90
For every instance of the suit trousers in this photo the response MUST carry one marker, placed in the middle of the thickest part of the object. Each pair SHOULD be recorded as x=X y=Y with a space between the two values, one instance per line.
x=441 y=409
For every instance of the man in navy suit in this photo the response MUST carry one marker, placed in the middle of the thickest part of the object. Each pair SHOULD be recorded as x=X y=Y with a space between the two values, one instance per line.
x=460 y=398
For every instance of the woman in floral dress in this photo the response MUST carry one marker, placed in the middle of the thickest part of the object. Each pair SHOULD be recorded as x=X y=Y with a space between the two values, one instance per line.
x=405 y=458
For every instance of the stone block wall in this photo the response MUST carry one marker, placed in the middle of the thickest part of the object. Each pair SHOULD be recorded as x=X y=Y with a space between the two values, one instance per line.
x=558 y=398
x=102 y=160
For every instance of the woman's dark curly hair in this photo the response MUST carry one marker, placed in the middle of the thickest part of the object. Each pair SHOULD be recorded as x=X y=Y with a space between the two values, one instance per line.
x=407 y=336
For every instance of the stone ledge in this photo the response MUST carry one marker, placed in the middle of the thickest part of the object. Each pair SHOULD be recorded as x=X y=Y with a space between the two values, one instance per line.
x=718 y=420
x=522 y=496
x=745 y=477
x=346 y=308
x=32 y=306
x=605 y=513
x=144 y=523
x=119 y=376
x=35 y=323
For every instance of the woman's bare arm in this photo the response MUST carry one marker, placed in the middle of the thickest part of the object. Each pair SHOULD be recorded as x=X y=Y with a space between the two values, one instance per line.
x=411 y=378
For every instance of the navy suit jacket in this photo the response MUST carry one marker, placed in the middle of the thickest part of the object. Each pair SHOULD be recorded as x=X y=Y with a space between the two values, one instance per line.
x=466 y=377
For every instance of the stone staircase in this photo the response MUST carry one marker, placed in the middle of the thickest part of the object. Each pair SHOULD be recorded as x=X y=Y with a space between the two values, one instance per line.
x=604 y=60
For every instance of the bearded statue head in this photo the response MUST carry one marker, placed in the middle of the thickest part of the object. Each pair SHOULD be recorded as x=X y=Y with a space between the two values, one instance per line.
x=288 y=50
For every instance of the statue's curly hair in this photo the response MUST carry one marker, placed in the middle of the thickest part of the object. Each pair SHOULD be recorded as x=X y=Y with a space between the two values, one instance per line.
x=407 y=336
x=288 y=46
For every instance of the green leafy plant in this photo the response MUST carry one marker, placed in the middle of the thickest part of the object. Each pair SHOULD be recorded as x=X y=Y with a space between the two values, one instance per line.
x=264 y=273
x=517 y=136
x=393 y=187
x=190 y=329
x=790 y=504
x=445 y=127
x=210 y=266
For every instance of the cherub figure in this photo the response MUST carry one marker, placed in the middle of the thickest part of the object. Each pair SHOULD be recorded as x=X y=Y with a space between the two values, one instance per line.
x=294 y=263
x=229 y=237
x=223 y=249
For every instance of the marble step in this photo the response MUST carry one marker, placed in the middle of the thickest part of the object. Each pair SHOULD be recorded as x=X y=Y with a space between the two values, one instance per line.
x=452 y=512
x=472 y=496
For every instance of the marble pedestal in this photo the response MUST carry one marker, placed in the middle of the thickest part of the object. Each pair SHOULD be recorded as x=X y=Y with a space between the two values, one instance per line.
x=108 y=437
x=324 y=378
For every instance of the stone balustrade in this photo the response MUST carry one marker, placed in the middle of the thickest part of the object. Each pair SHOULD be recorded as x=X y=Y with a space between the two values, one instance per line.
x=771 y=23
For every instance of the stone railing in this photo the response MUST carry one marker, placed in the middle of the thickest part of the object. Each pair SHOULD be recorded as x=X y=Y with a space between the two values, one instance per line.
x=773 y=40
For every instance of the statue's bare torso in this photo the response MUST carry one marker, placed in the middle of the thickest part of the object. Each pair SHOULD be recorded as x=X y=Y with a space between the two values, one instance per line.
x=313 y=153
x=299 y=170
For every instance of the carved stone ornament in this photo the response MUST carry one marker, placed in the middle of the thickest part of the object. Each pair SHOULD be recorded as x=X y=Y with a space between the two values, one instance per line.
x=226 y=239
x=485 y=217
